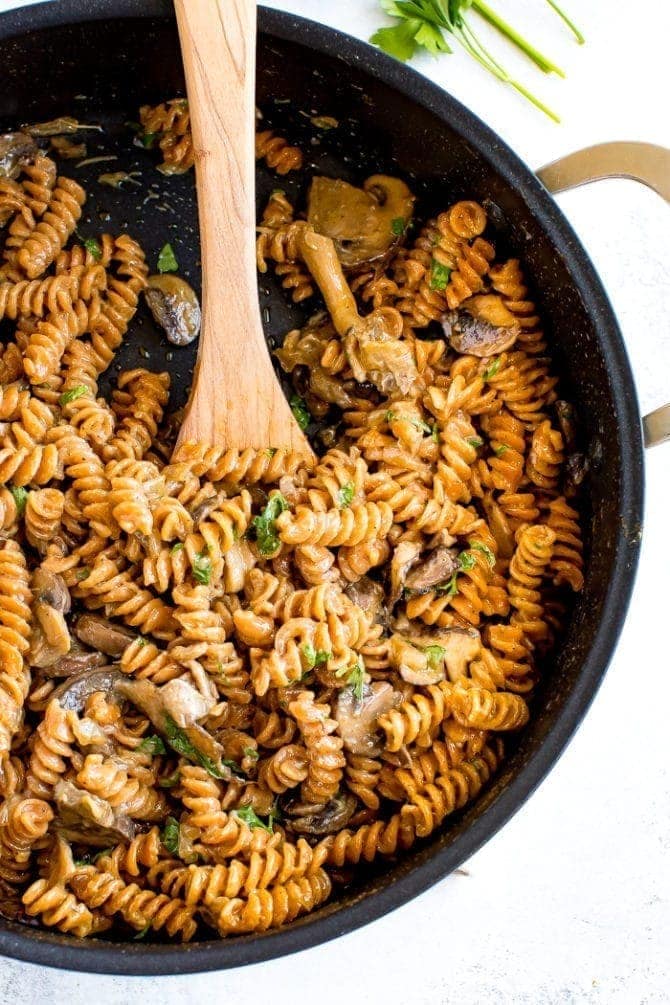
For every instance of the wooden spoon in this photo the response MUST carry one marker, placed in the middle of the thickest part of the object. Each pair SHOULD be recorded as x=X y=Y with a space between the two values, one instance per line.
x=236 y=401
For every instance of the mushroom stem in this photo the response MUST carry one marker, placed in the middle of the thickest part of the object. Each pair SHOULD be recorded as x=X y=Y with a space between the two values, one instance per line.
x=321 y=259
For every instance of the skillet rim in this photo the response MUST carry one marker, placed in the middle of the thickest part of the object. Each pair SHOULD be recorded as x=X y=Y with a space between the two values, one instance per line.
x=402 y=883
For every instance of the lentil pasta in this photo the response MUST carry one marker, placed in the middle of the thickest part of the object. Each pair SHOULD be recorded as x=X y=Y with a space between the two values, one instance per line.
x=228 y=678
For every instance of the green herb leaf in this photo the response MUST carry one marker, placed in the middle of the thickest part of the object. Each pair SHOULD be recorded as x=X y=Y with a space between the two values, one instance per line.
x=141 y=641
x=251 y=752
x=82 y=574
x=301 y=412
x=166 y=259
x=475 y=442
x=251 y=818
x=450 y=588
x=466 y=561
x=431 y=38
x=314 y=657
x=491 y=369
x=439 y=275
x=148 y=140
x=270 y=452
x=398 y=225
x=390 y=417
x=355 y=678
x=502 y=449
x=202 y=568
x=93 y=248
x=169 y=781
x=20 y=496
x=435 y=432
x=140 y=935
x=484 y=548
x=170 y=835
x=176 y=547
x=75 y=392
x=398 y=41
x=264 y=525
x=435 y=656
x=346 y=495
x=152 y=745
x=180 y=743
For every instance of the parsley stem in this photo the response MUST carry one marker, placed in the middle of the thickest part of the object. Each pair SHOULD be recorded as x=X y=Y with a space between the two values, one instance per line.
x=571 y=25
x=476 y=49
x=514 y=36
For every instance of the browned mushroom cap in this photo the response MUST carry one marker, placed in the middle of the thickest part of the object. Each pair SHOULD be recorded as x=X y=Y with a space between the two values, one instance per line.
x=437 y=567
x=335 y=815
x=483 y=326
x=76 y=661
x=357 y=720
x=77 y=689
x=404 y=557
x=103 y=635
x=368 y=595
x=84 y=817
x=565 y=415
x=175 y=307
x=363 y=222
x=49 y=588
x=15 y=148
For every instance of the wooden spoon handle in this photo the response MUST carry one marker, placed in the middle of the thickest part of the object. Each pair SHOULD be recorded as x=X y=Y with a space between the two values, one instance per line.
x=236 y=399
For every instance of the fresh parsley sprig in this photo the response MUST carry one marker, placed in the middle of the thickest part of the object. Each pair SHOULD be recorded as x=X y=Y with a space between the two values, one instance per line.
x=426 y=24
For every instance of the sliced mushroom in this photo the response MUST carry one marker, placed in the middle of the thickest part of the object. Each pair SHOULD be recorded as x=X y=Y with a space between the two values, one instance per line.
x=365 y=223
x=357 y=720
x=74 y=692
x=76 y=661
x=565 y=415
x=103 y=635
x=369 y=596
x=175 y=307
x=49 y=588
x=88 y=818
x=483 y=326
x=461 y=645
x=576 y=470
x=417 y=664
x=335 y=815
x=404 y=557
x=438 y=566
x=15 y=148
x=180 y=702
x=50 y=638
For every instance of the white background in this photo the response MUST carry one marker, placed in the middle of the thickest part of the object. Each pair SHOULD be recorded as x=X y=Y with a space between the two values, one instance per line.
x=571 y=902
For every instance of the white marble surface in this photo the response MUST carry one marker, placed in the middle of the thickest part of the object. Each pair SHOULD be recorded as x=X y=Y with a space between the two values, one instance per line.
x=571 y=901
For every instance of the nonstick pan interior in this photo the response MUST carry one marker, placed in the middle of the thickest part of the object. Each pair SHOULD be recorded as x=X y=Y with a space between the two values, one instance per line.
x=389 y=120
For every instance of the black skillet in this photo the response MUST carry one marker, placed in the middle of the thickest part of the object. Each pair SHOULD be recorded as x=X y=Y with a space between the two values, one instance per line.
x=101 y=59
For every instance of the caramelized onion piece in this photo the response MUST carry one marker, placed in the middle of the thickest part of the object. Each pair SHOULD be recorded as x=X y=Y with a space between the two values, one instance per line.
x=175 y=308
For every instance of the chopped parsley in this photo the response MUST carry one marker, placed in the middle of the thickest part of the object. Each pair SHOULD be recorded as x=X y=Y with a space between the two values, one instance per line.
x=475 y=442
x=492 y=369
x=93 y=248
x=355 y=678
x=490 y=557
x=140 y=935
x=435 y=655
x=166 y=259
x=82 y=574
x=176 y=547
x=20 y=496
x=345 y=495
x=170 y=835
x=152 y=745
x=314 y=657
x=180 y=743
x=502 y=449
x=202 y=568
x=264 y=525
x=72 y=395
x=249 y=816
x=398 y=225
x=251 y=752
x=270 y=452
x=301 y=412
x=466 y=561
x=439 y=275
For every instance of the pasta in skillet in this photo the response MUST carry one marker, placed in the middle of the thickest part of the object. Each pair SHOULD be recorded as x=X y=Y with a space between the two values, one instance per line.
x=226 y=676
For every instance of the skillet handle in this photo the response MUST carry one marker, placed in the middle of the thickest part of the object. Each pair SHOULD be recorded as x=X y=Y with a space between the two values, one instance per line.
x=643 y=162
